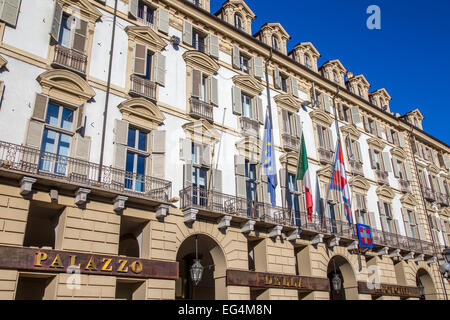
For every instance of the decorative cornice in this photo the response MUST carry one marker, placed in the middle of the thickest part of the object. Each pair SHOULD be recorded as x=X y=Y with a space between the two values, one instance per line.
x=325 y=171
x=360 y=183
x=248 y=84
x=385 y=191
x=142 y=112
x=289 y=158
x=249 y=147
x=399 y=153
x=81 y=7
x=287 y=101
x=376 y=142
x=433 y=169
x=201 y=131
x=351 y=130
x=201 y=61
x=321 y=117
x=145 y=35
x=408 y=199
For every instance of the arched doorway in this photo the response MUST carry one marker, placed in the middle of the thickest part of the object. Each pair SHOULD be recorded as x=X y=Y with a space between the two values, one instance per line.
x=340 y=270
x=213 y=282
x=425 y=285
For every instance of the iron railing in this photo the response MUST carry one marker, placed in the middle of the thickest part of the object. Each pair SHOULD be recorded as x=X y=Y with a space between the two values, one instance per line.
x=290 y=143
x=356 y=167
x=405 y=185
x=70 y=59
x=142 y=87
x=44 y=164
x=325 y=156
x=382 y=177
x=428 y=194
x=201 y=109
x=250 y=126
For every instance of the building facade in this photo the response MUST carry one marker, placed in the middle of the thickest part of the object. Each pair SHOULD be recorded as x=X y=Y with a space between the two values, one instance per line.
x=110 y=173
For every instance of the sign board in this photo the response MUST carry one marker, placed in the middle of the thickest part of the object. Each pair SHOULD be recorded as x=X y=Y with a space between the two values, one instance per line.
x=364 y=235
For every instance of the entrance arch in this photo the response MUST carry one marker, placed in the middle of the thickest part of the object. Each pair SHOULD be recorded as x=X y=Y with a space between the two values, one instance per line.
x=343 y=269
x=213 y=283
x=423 y=279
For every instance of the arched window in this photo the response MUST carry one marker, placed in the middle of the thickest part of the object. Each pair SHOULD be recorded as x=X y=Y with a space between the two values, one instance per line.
x=275 y=43
x=308 y=61
x=238 y=21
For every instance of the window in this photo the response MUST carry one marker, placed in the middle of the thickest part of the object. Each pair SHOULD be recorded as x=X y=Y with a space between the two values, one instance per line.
x=67 y=24
x=275 y=43
x=145 y=14
x=244 y=63
x=308 y=63
x=198 y=41
x=148 y=68
x=251 y=188
x=284 y=82
x=361 y=208
x=293 y=199
x=56 y=139
x=389 y=217
x=288 y=122
x=247 y=110
x=323 y=136
x=344 y=113
x=353 y=149
x=136 y=160
x=199 y=176
x=238 y=22
x=412 y=223
x=377 y=160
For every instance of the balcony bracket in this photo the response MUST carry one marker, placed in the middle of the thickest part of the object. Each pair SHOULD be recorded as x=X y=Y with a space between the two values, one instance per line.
x=432 y=260
x=26 y=185
x=162 y=211
x=53 y=195
x=248 y=226
x=395 y=253
x=190 y=215
x=119 y=204
x=81 y=196
x=383 y=251
x=294 y=235
x=409 y=256
x=334 y=241
x=276 y=231
x=317 y=239
x=353 y=246
x=224 y=223
x=420 y=257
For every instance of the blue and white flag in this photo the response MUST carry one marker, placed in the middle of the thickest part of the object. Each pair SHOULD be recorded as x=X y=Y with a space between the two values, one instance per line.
x=268 y=160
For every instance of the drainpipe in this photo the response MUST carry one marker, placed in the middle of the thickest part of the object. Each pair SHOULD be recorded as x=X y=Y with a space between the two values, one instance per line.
x=108 y=86
x=268 y=91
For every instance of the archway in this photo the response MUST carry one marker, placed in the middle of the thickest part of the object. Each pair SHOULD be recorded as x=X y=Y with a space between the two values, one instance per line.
x=426 y=285
x=341 y=268
x=213 y=283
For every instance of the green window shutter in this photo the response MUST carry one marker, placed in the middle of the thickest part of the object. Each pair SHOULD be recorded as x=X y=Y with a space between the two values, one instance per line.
x=258 y=67
x=236 y=58
x=356 y=118
x=187 y=33
x=140 y=59
x=56 y=23
x=214 y=89
x=237 y=100
x=10 y=12
x=80 y=37
x=163 y=20
x=133 y=8
x=294 y=86
x=160 y=63
x=40 y=106
x=34 y=134
x=213 y=46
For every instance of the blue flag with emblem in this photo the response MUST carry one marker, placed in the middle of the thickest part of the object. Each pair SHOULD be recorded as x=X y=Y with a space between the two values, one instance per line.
x=268 y=160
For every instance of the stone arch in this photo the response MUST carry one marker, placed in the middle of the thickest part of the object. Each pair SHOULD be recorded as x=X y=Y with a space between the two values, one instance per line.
x=345 y=270
x=425 y=279
x=142 y=112
x=321 y=117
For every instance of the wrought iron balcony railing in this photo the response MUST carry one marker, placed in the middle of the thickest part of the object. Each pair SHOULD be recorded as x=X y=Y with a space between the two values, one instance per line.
x=428 y=194
x=250 y=127
x=405 y=185
x=83 y=173
x=382 y=177
x=356 y=167
x=70 y=59
x=325 y=156
x=142 y=87
x=201 y=109
x=290 y=143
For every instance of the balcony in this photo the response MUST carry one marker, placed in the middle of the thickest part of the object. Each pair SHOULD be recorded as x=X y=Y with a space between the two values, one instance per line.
x=18 y=160
x=201 y=109
x=442 y=199
x=405 y=186
x=428 y=194
x=325 y=156
x=250 y=127
x=382 y=177
x=356 y=167
x=142 y=87
x=290 y=143
x=395 y=241
x=70 y=59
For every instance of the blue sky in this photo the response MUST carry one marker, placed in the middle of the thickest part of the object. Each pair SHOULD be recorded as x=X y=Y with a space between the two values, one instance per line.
x=409 y=56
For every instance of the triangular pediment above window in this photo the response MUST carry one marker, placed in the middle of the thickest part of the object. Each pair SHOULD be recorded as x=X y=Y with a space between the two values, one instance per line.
x=81 y=7
x=290 y=159
x=335 y=64
x=3 y=62
x=351 y=130
x=445 y=212
x=248 y=84
x=377 y=143
x=200 y=61
x=201 y=131
x=142 y=112
x=241 y=6
x=321 y=117
x=433 y=169
x=398 y=152
x=145 y=35
x=287 y=101
x=359 y=183
x=383 y=93
x=386 y=192
x=308 y=47
x=249 y=147
x=409 y=200
x=276 y=27
x=325 y=172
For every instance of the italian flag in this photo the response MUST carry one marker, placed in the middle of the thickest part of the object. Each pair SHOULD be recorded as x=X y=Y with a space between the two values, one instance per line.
x=303 y=174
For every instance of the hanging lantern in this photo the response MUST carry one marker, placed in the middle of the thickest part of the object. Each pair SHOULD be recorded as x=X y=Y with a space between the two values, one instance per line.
x=337 y=282
x=197 y=268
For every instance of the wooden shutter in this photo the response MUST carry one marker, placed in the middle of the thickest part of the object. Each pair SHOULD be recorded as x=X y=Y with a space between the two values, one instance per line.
x=387 y=162
x=237 y=100
x=80 y=118
x=372 y=158
x=159 y=62
x=120 y=144
x=401 y=139
x=366 y=123
x=140 y=59
x=283 y=186
x=196 y=83
x=356 y=118
x=372 y=221
x=378 y=127
x=260 y=110
x=389 y=135
x=187 y=175
x=294 y=86
x=326 y=102
x=396 y=226
x=80 y=37
x=34 y=134
x=187 y=33
x=285 y=120
x=10 y=12
x=358 y=149
x=40 y=106
x=258 y=67
x=158 y=144
x=406 y=222
x=395 y=167
x=213 y=46
x=313 y=96
x=216 y=176
x=421 y=230
x=236 y=59
x=56 y=23
x=446 y=158
x=163 y=20
x=206 y=155
x=349 y=147
x=276 y=78
x=441 y=185
x=214 y=89
x=382 y=216
x=298 y=126
x=185 y=149
x=82 y=147
x=239 y=171
x=329 y=139
x=407 y=171
x=133 y=6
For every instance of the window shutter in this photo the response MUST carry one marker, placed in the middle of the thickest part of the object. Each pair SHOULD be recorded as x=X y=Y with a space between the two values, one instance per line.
x=216 y=180
x=120 y=144
x=34 y=134
x=421 y=233
x=441 y=185
x=133 y=6
x=82 y=147
x=40 y=106
x=396 y=226
x=406 y=222
x=80 y=37
x=285 y=120
x=236 y=59
x=298 y=125
x=313 y=96
x=358 y=149
x=395 y=167
x=80 y=119
x=187 y=33
x=10 y=12
x=213 y=46
x=341 y=111
x=433 y=157
x=239 y=171
x=214 y=89
x=196 y=83
x=160 y=63
x=382 y=216
x=389 y=135
x=372 y=222
x=158 y=153
x=356 y=118
x=185 y=150
x=187 y=175
x=237 y=100
x=294 y=86
x=329 y=140
x=158 y=141
x=206 y=155
x=276 y=78
x=378 y=126
x=348 y=144
x=372 y=158
x=447 y=161
x=326 y=102
x=260 y=109
x=366 y=123
x=56 y=23
x=258 y=67
x=438 y=224
x=401 y=139
x=163 y=20
x=408 y=171
x=283 y=186
x=387 y=162
x=140 y=59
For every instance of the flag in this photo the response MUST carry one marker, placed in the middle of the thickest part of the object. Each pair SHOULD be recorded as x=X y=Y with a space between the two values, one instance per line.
x=339 y=180
x=268 y=160
x=303 y=174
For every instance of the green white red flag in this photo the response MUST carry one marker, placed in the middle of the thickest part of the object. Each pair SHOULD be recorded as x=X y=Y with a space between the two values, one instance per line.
x=303 y=174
